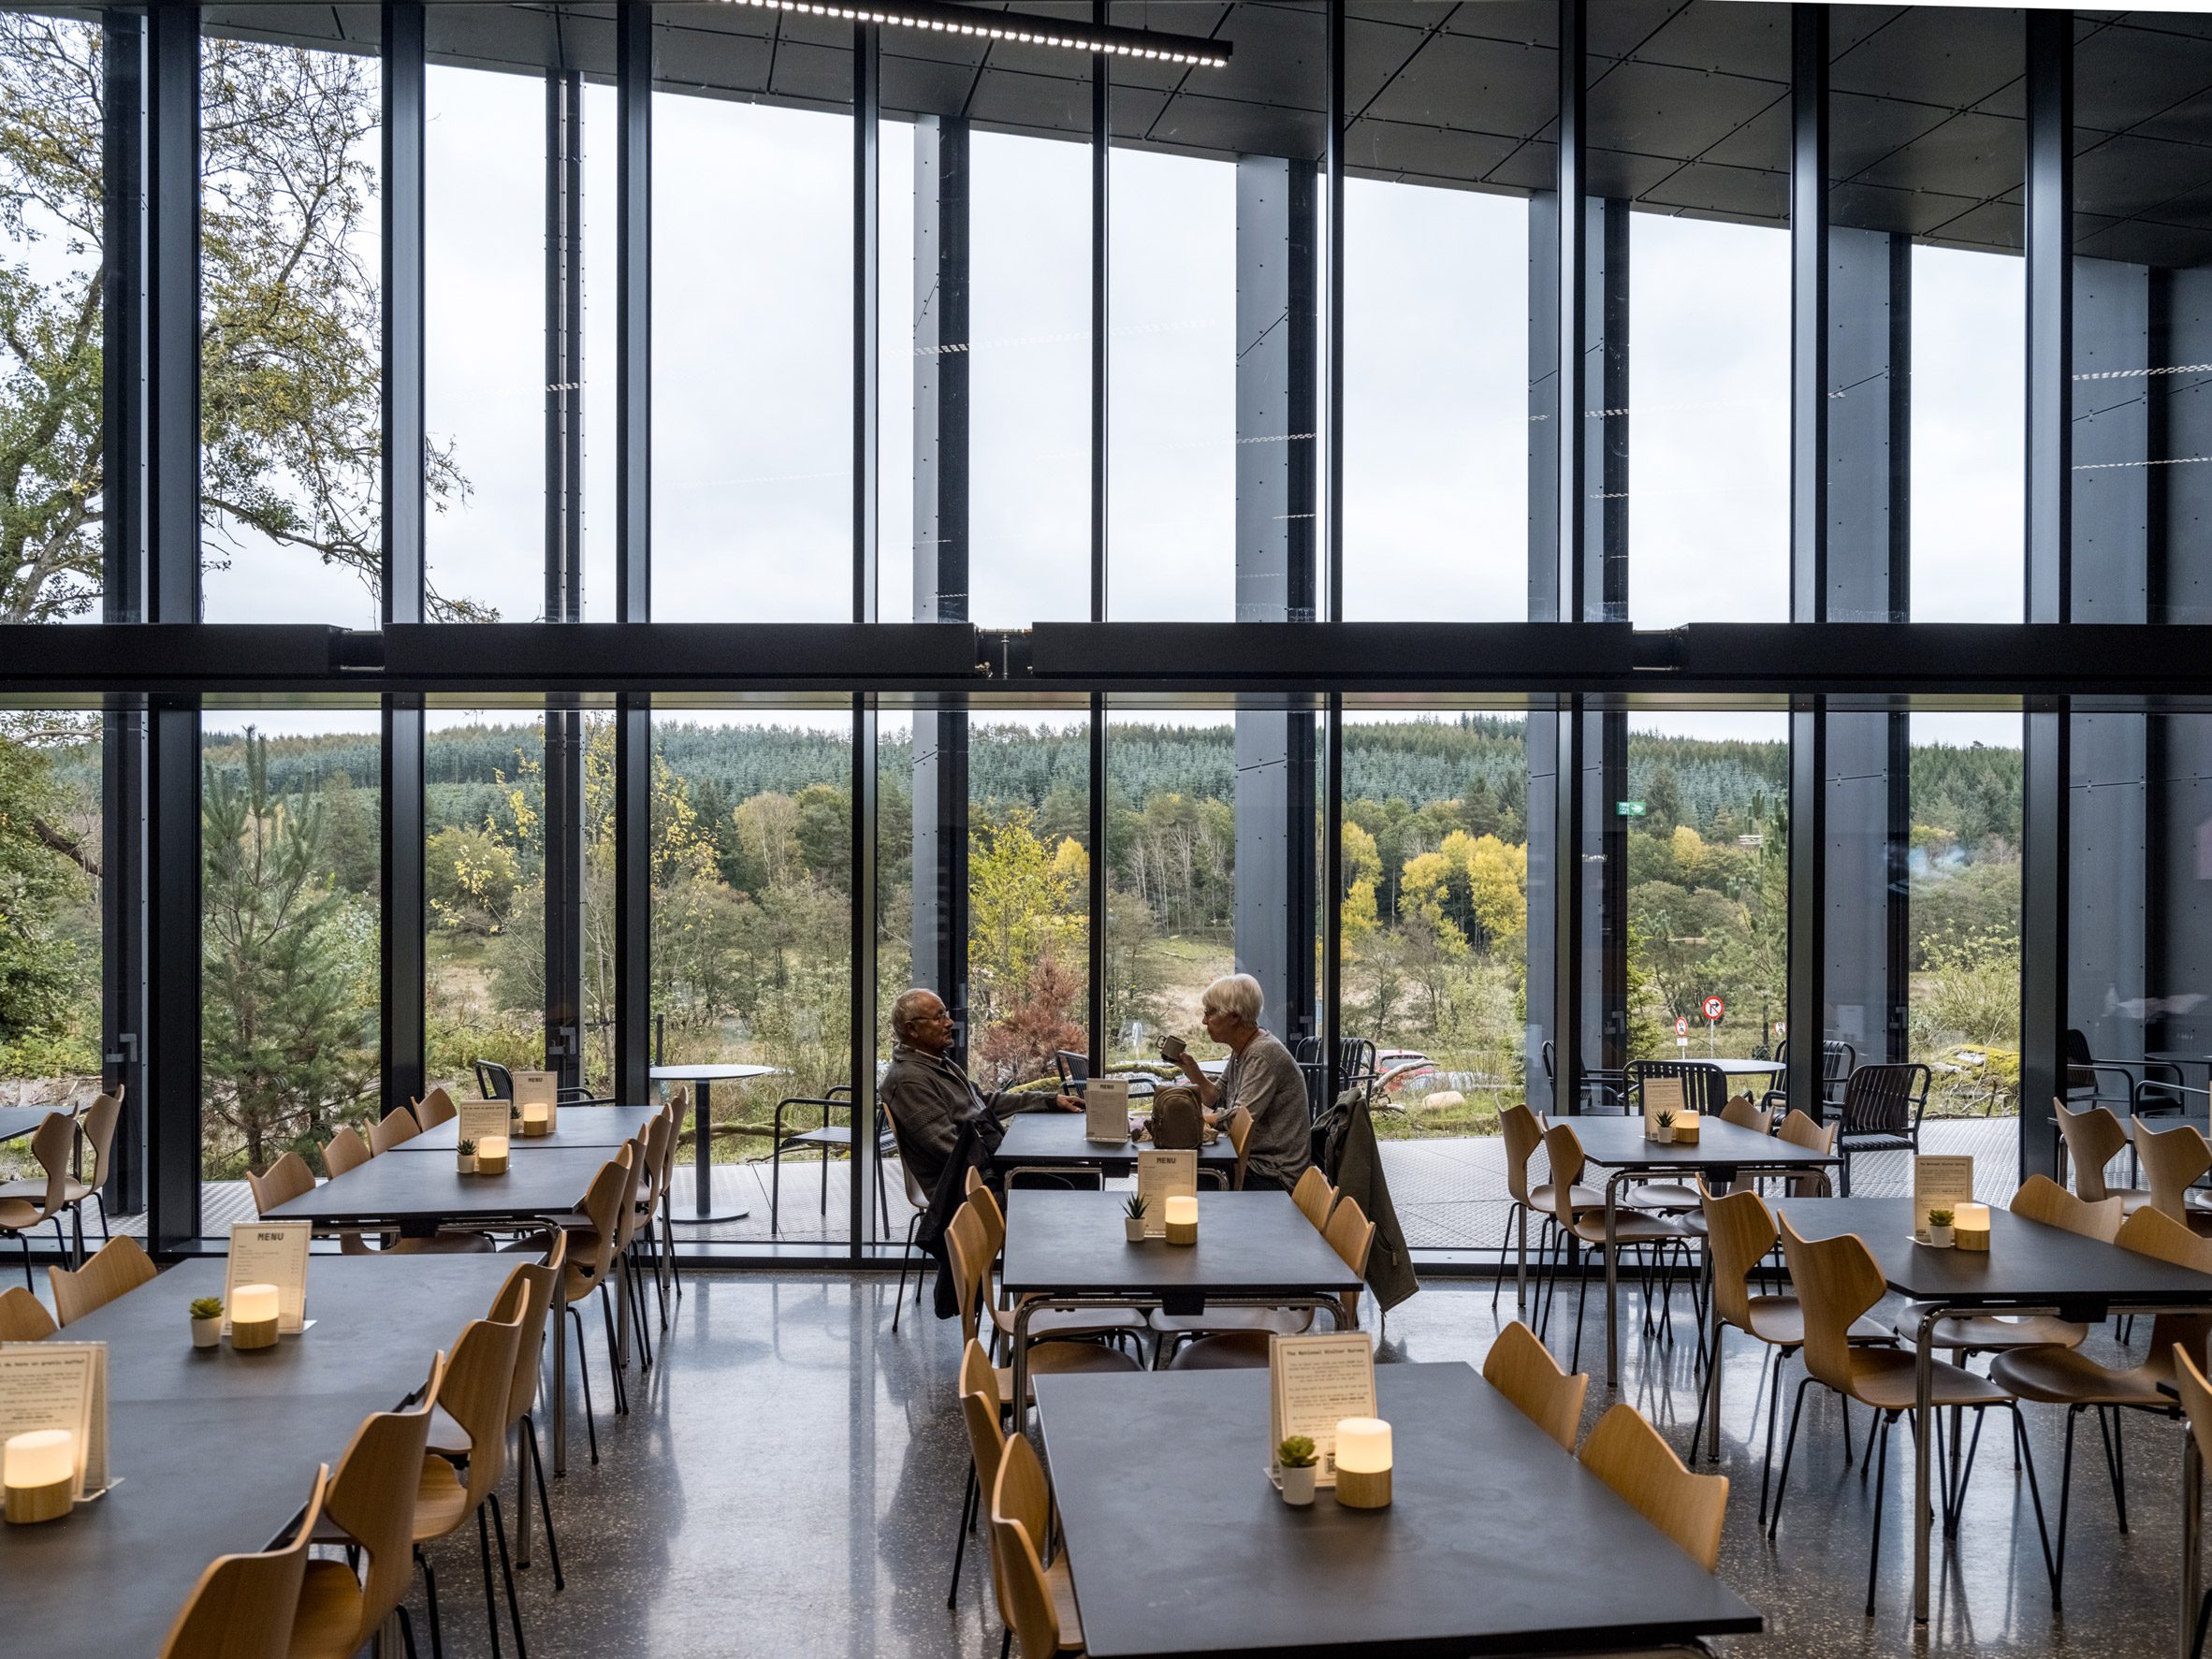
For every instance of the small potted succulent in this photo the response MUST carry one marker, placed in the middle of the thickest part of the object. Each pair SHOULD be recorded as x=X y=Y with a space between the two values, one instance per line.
x=207 y=1321
x=1939 y=1229
x=1132 y=1221
x=1296 y=1460
x=468 y=1157
x=1664 y=1133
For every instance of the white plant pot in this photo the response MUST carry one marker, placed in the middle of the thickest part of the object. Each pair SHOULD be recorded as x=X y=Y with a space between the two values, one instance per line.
x=1939 y=1237
x=207 y=1334
x=1298 y=1487
x=1663 y=1134
x=468 y=1165
x=1132 y=1229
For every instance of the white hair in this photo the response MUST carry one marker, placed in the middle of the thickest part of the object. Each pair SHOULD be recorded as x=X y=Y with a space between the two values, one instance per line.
x=1236 y=993
x=907 y=1008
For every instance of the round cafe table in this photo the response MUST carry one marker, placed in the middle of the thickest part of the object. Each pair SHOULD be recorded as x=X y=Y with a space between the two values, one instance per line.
x=701 y=1206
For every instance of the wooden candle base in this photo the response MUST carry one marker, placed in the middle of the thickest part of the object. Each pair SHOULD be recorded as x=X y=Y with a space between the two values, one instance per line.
x=532 y=1132
x=1977 y=1241
x=27 y=1505
x=249 y=1334
x=490 y=1166
x=1182 y=1232
x=1359 y=1489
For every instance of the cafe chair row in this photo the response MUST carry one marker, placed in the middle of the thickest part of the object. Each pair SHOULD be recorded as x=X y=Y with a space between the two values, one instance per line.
x=64 y=1183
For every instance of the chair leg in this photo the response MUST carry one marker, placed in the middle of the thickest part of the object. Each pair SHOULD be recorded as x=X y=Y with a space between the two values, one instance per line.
x=1498 y=1286
x=775 y=1187
x=584 y=1376
x=1789 y=1445
x=406 y=1632
x=906 y=1260
x=1581 y=1301
x=614 y=1355
x=537 y=1465
x=491 y=1602
x=1706 y=1401
x=1881 y=1482
x=429 y=1595
x=498 y=1532
x=101 y=1198
x=2116 y=1464
x=2024 y=1456
x=1776 y=1358
x=968 y=1508
x=2065 y=1507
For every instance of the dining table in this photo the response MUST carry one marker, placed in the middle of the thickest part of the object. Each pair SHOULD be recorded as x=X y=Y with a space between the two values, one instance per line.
x=1055 y=1141
x=24 y=1120
x=2030 y=1268
x=415 y=1194
x=212 y=1451
x=1495 y=1540
x=576 y=1126
x=707 y=1075
x=1067 y=1250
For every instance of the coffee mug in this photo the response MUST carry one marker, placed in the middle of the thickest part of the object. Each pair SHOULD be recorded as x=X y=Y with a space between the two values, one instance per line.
x=1172 y=1047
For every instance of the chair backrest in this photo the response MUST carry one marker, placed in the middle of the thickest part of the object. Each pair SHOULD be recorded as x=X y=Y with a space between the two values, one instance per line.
x=658 y=1133
x=1880 y=1099
x=1313 y=1194
x=496 y=1082
x=2173 y=1161
x=1836 y=1280
x=2042 y=1199
x=1240 y=1136
x=965 y=1242
x=1351 y=1234
x=626 y=1218
x=1523 y=1134
x=396 y=1128
x=1739 y=1232
x=371 y=1499
x=1521 y=1368
x=1744 y=1115
x=1073 y=1068
x=22 y=1317
x=479 y=1382
x=1562 y=1149
x=917 y=1195
x=346 y=1151
x=986 y=1439
x=243 y=1606
x=1705 y=1086
x=1838 y=1060
x=51 y=1143
x=435 y=1108
x=117 y=1267
x=2152 y=1232
x=281 y=1183
x=1800 y=1131
x=1021 y=1513
x=672 y=1114
x=1627 y=1454
x=98 y=1124
x=2094 y=1136
x=2196 y=1400
x=533 y=1283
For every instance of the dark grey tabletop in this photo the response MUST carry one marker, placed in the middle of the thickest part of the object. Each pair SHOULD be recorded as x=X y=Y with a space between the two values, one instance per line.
x=580 y=1126
x=426 y=1189
x=1248 y=1243
x=2027 y=1262
x=1056 y=1138
x=1619 y=1142
x=22 y=1120
x=1179 y=1544
x=213 y=1450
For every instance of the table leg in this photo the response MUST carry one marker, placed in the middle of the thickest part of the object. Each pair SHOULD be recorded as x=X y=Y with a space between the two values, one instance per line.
x=1520 y=1288
x=1612 y=1282
x=1924 y=1419
x=702 y=1165
x=560 y=1385
x=1021 y=1365
x=2192 y=1524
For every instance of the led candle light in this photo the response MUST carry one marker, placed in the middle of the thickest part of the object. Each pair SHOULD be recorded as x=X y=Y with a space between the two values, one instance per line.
x=40 y=1470
x=1969 y=1227
x=254 y=1316
x=1363 y=1462
x=491 y=1156
x=537 y=1119
x=1685 y=1129
x=1182 y=1217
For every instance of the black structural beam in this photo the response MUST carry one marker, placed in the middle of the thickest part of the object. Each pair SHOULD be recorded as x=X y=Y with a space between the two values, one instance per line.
x=866 y=1034
x=1101 y=227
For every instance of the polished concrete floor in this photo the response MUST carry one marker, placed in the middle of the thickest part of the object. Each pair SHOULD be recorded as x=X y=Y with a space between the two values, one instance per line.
x=788 y=1480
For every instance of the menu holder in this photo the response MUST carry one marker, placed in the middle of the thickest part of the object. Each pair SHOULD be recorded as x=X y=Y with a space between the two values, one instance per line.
x=60 y=1385
x=1661 y=1094
x=538 y=1088
x=1312 y=1384
x=1106 y=1110
x=1160 y=1176
x=482 y=1119
x=269 y=1253
x=1938 y=1182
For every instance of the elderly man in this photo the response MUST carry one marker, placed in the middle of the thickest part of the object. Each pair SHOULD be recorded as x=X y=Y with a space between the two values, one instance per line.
x=1261 y=1077
x=927 y=1093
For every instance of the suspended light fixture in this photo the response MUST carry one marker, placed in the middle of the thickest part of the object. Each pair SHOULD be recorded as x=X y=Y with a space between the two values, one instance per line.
x=933 y=16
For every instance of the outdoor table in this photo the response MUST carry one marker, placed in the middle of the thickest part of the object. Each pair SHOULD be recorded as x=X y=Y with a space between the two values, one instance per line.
x=1055 y=1140
x=579 y=1125
x=1179 y=1544
x=702 y=1121
x=23 y=1120
x=1722 y=1152
x=417 y=1195
x=1255 y=1249
x=1746 y=1068
x=2030 y=1268
x=214 y=1451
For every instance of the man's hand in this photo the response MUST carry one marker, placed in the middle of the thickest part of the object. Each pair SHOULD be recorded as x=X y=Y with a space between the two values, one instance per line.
x=1068 y=1102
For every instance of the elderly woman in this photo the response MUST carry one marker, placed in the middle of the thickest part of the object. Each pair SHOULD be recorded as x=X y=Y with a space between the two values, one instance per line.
x=1263 y=1078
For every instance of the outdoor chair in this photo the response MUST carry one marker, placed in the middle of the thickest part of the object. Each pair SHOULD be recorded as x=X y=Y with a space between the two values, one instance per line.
x=825 y=1137
x=1883 y=1106
x=1837 y=1061
x=1601 y=1088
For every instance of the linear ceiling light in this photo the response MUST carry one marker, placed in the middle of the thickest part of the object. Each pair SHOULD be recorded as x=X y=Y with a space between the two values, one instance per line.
x=1012 y=25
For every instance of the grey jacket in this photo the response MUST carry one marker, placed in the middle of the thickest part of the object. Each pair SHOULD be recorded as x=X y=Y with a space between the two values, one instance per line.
x=1266 y=1082
x=930 y=1097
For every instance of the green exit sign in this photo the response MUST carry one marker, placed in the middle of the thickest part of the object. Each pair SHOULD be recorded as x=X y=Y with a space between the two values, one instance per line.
x=1628 y=809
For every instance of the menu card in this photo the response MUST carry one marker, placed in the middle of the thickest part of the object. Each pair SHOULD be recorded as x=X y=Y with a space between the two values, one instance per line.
x=59 y=1384
x=1661 y=1094
x=481 y=1119
x=1106 y=1110
x=532 y=1086
x=1939 y=1184
x=270 y=1253
x=1311 y=1383
x=1162 y=1175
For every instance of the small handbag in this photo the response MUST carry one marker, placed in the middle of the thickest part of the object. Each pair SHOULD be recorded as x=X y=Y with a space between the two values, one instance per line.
x=1178 y=1121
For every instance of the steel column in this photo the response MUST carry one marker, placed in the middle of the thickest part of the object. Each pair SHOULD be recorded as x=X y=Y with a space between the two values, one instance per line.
x=633 y=519
x=1101 y=203
x=867 y=84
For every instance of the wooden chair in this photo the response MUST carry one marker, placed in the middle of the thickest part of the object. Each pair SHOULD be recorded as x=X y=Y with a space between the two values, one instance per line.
x=281 y=1183
x=117 y=1267
x=651 y=1202
x=1524 y=1131
x=2093 y=1138
x=1110 y=1323
x=1632 y=1228
x=97 y=1125
x=1240 y=1137
x=243 y=1606
x=1313 y=1194
x=1039 y=1601
x=590 y=1261
x=966 y=1240
x=2196 y=1405
x=27 y=1205
x=1744 y=1115
x=986 y=1443
x=1838 y=1281
x=396 y=1128
x=345 y=1151
x=369 y=1505
x=472 y=1396
x=433 y=1109
x=1349 y=1233
x=2065 y=1377
x=1627 y=1454
x=2039 y=1199
x=1800 y=1131
x=1740 y=1232
x=2174 y=1160
x=1523 y=1369
x=23 y=1317
x=673 y=1112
